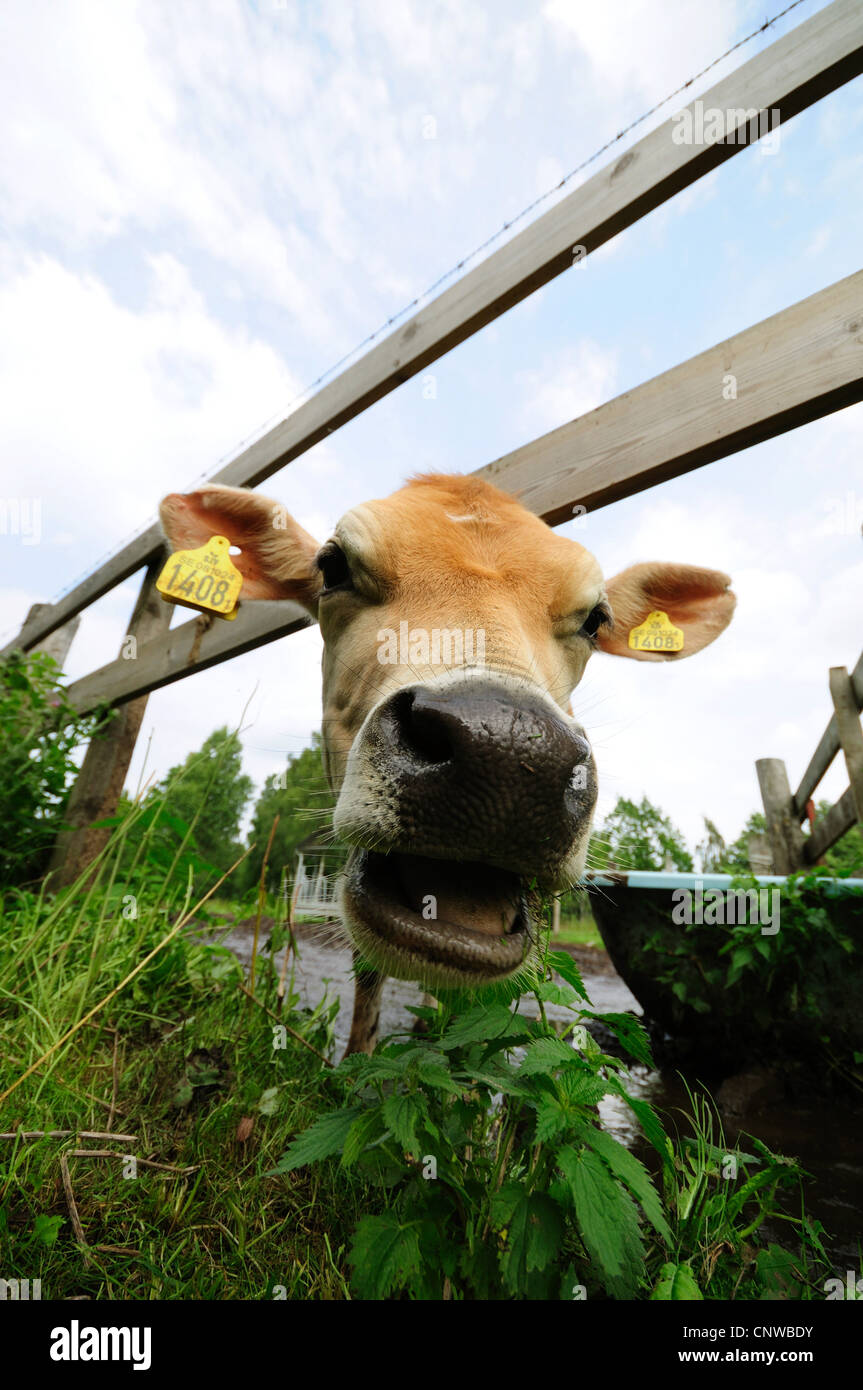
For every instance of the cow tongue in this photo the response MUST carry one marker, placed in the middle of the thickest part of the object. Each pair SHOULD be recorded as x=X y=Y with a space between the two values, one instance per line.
x=467 y=895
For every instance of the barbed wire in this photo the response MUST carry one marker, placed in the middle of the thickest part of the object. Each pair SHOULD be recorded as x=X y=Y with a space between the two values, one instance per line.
x=438 y=283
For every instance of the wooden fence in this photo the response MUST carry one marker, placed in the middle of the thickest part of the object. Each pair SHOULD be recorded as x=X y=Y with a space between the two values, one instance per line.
x=792 y=368
x=790 y=850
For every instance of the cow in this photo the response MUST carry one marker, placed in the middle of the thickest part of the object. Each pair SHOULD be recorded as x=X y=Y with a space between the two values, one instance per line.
x=456 y=625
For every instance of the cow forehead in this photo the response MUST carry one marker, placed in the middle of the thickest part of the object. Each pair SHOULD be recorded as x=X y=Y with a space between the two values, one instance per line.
x=443 y=530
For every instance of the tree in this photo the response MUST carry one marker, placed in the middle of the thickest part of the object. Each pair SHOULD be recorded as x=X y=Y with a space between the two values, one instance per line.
x=736 y=859
x=846 y=856
x=639 y=837
x=713 y=851
x=40 y=732
x=212 y=786
x=302 y=800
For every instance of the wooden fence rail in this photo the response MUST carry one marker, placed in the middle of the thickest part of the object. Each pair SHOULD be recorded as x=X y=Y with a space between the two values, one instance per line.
x=812 y=60
x=792 y=368
x=790 y=849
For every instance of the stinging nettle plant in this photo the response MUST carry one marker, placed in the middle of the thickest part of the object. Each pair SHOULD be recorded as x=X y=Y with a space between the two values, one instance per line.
x=500 y=1182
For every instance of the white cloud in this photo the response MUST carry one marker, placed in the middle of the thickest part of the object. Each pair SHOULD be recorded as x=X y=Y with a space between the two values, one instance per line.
x=112 y=408
x=207 y=205
x=615 y=38
x=568 y=386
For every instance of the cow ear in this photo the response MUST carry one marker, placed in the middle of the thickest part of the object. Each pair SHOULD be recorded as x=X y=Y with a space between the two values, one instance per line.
x=698 y=601
x=277 y=557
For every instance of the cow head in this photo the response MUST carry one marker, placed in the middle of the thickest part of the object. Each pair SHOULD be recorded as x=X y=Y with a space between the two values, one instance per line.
x=455 y=624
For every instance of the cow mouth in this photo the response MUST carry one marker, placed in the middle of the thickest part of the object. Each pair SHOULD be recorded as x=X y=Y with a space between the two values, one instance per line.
x=441 y=920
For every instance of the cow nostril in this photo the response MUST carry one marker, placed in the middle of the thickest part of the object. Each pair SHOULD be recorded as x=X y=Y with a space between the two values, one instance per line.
x=420 y=729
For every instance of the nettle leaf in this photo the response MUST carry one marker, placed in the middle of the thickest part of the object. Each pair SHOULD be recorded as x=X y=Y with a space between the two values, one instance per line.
x=423 y=1011
x=385 y=1255
x=533 y=1238
x=498 y=1076
x=479 y=1025
x=631 y=1171
x=479 y=1270
x=647 y=1118
x=507 y=1043
x=551 y=993
x=369 y=1128
x=323 y=1139
x=401 y=1115
x=676 y=1284
x=558 y=1113
x=563 y=963
x=504 y=1202
x=432 y=1069
x=608 y=1222
x=548 y=1054
x=630 y=1033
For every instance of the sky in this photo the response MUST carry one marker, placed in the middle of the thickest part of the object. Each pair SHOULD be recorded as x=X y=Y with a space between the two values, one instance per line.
x=203 y=208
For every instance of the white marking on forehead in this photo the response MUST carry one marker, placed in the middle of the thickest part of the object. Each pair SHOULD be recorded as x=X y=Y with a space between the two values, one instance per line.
x=469 y=517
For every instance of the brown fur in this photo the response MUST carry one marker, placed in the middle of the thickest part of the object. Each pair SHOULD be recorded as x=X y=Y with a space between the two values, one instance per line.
x=444 y=552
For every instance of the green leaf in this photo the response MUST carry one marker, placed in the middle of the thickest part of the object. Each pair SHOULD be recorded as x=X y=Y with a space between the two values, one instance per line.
x=479 y=1270
x=432 y=1069
x=47 y=1228
x=563 y=963
x=325 y=1137
x=646 y=1116
x=368 y=1129
x=551 y=993
x=676 y=1284
x=534 y=1228
x=779 y=1270
x=478 y=1025
x=402 y=1114
x=632 y=1172
x=533 y=1239
x=548 y=1055
x=608 y=1222
x=385 y=1254
x=559 y=1113
x=630 y=1033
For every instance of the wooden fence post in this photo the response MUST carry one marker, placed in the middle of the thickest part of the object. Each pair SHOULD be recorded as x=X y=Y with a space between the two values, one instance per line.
x=58 y=642
x=850 y=734
x=783 y=830
x=98 y=785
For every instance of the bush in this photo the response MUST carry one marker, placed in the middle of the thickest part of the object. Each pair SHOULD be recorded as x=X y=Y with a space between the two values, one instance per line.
x=39 y=733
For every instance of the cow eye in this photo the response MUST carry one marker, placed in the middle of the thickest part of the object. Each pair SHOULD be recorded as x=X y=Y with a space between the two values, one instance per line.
x=598 y=617
x=335 y=570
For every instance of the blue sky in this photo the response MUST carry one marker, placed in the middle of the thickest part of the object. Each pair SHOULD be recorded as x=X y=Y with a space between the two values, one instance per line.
x=202 y=208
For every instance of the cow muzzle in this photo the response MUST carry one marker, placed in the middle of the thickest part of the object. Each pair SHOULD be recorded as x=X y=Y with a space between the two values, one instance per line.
x=464 y=801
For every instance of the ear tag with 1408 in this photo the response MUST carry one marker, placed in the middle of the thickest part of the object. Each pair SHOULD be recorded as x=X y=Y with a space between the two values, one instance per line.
x=205 y=579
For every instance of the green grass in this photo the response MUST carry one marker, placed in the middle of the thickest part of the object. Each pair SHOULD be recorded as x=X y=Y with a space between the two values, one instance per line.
x=113 y=1020
x=578 y=931
x=178 y=1058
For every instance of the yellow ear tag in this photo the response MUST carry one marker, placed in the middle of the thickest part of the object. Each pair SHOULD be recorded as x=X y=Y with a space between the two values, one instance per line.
x=656 y=634
x=206 y=579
